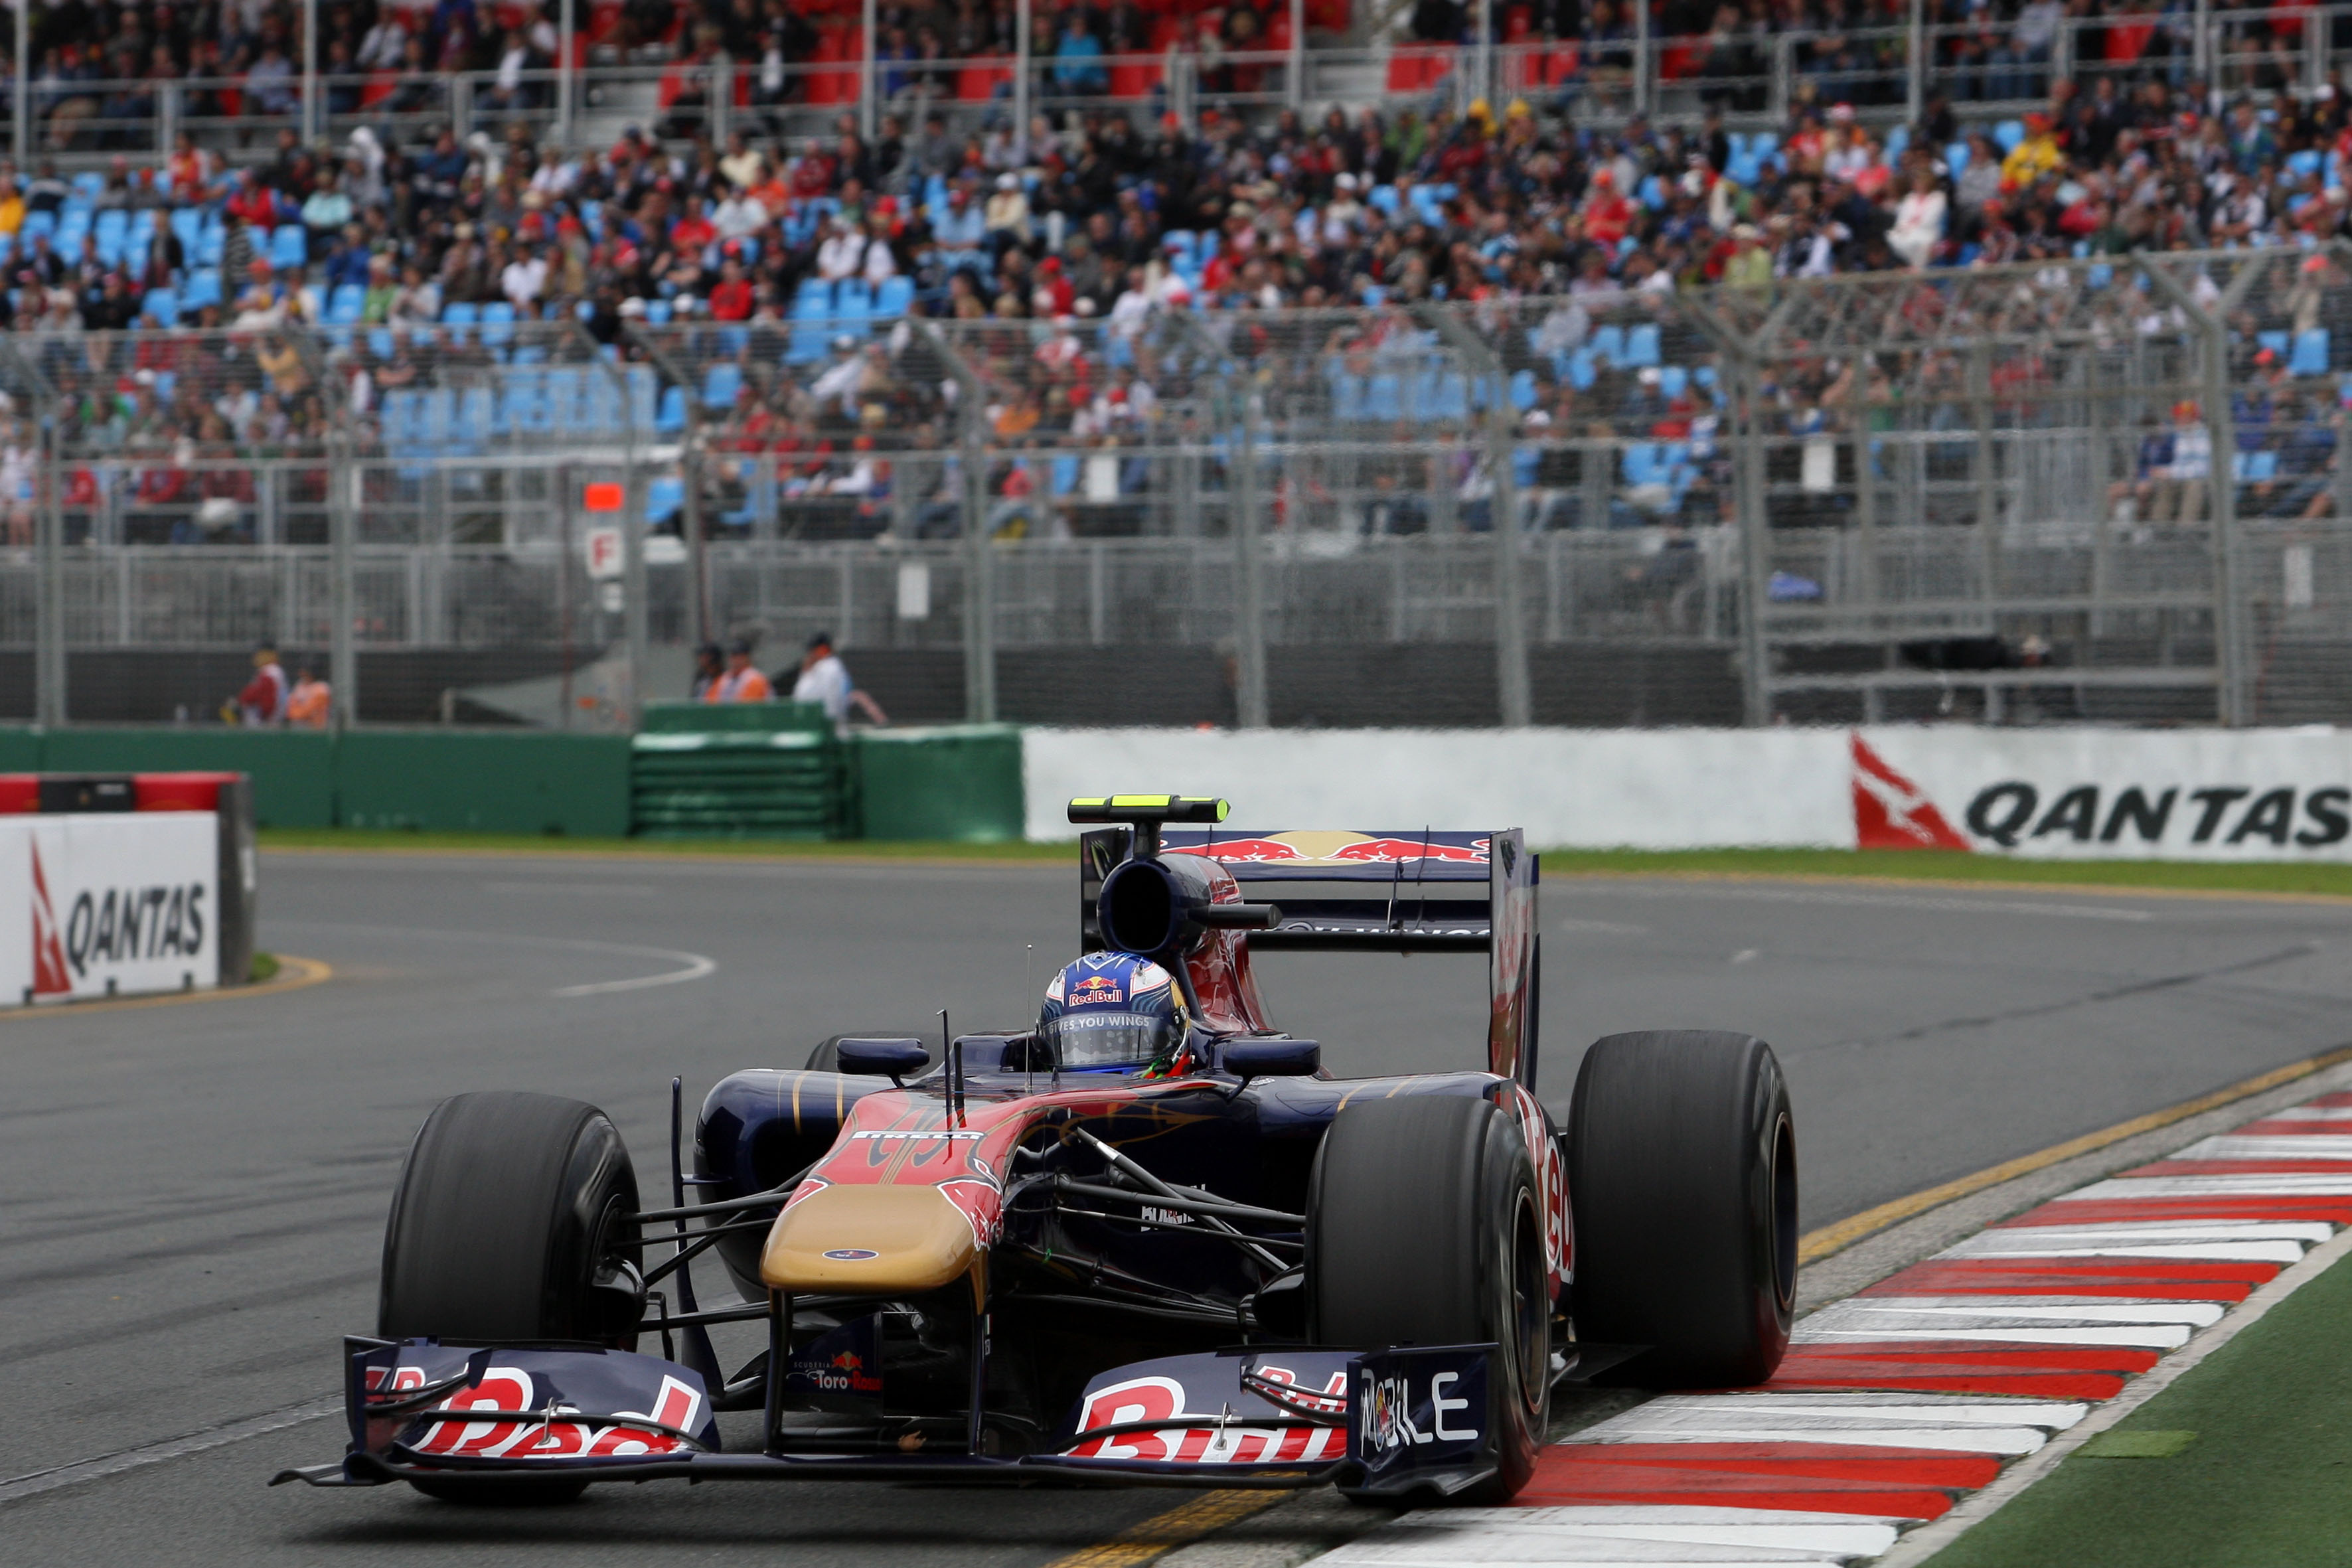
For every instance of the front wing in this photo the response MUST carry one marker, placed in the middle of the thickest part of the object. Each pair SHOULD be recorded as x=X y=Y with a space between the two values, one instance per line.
x=1386 y=1421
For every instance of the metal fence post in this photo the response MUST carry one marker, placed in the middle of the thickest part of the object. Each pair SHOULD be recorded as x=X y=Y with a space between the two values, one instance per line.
x=1755 y=547
x=566 y=71
x=979 y=560
x=2213 y=347
x=1511 y=683
x=50 y=645
x=1249 y=562
x=1021 y=77
x=868 y=83
x=22 y=104
x=342 y=516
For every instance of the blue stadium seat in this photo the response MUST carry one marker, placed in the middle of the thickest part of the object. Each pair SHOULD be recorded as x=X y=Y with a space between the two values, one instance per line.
x=641 y=395
x=1581 y=372
x=894 y=299
x=204 y=288
x=188 y=225
x=1956 y=159
x=1642 y=346
x=665 y=497
x=162 y=305
x=2008 y=134
x=657 y=312
x=719 y=385
x=460 y=313
x=2310 y=353
x=380 y=343
x=1384 y=197
x=527 y=409
x=88 y=185
x=1347 y=395
x=853 y=302
x=498 y=324
x=1608 y=342
x=211 y=242
x=567 y=388
x=672 y=417
x=1066 y=475
x=733 y=342
x=470 y=412
x=1450 y=399
x=290 y=246
x=1898 y=141
x=1673 y=380
x=2306 y=162
x=1523 y=390
x=38 y=223
x=1385 y=399
x=2277 y=343
x=343 y=306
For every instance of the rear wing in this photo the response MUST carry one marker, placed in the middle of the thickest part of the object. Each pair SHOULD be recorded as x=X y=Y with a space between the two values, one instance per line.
x=1414 y=891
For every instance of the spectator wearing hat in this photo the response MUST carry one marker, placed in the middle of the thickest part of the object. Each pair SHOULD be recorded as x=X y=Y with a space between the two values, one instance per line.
x=739 y=682
x=824 y=681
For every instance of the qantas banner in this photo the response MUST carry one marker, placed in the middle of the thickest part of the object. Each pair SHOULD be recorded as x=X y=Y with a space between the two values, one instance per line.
x=106 y=904
x=2090 y=793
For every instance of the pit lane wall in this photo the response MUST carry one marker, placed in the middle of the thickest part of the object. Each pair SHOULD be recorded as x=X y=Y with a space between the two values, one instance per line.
x=109 y=903
x=2059 y=792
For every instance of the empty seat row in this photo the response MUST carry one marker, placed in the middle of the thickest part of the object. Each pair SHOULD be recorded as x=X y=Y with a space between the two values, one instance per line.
x=557 y=400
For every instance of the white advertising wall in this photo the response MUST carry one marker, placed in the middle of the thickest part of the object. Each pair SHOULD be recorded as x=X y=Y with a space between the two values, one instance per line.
x=107 y=904
x=2085 y=792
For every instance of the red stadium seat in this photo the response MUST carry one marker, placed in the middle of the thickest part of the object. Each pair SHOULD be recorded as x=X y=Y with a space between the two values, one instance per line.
x=1134 y=80
x=978 y=80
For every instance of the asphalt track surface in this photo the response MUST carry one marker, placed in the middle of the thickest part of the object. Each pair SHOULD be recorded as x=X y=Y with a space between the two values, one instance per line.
x=195 y=1194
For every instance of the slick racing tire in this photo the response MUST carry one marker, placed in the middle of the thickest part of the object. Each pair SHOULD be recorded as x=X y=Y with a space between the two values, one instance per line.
x=515 y=1221
x=1682 y=1169
x=1424 y=1227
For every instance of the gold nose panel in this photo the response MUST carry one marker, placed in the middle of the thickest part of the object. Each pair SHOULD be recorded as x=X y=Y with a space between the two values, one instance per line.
x=916 y=1238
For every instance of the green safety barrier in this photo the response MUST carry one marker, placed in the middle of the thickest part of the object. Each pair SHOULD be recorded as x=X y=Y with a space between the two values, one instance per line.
x=742 y=770
x=958 y=783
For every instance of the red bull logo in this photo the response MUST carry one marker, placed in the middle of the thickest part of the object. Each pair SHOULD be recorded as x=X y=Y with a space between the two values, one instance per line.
x=1241 y=849
x=1096 y=989
x=849 y=1361
x=1382 y=851
x=1310 y=846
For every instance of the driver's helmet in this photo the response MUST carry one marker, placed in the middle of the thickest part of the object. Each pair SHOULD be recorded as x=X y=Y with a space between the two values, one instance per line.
x=1112 y=1010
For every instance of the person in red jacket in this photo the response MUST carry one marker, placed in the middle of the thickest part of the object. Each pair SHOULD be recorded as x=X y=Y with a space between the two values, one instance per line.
x=263 y=700
x=1607 y=214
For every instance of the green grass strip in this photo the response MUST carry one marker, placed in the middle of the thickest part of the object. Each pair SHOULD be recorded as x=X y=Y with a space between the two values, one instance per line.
x=2246 y=1462
x=2307 y=878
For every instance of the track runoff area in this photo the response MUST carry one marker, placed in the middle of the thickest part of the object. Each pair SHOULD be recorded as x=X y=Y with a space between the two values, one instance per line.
x=199 y=1196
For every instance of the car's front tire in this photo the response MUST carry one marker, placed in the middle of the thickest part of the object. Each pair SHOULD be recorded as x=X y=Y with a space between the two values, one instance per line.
x=1425 y=1226
x=514 y=1221
x=1682 y=1168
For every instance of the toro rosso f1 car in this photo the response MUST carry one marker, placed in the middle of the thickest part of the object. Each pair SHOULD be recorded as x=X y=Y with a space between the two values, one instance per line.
x=1146 y=1240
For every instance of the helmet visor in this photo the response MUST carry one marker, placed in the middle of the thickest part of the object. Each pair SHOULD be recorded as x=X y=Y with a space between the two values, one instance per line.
x=1106 y=1039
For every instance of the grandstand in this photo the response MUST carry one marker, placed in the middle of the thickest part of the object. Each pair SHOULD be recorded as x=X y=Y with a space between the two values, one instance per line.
x=1127 y=301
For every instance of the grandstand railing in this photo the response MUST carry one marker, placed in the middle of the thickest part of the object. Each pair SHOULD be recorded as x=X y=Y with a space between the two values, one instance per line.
x=1757 y=79
x=1831 y=484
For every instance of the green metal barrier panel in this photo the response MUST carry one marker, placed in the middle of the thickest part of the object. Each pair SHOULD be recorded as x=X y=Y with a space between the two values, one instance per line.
x=485 y=781
x=953 y=782
x=712 y=718
x=293 y=770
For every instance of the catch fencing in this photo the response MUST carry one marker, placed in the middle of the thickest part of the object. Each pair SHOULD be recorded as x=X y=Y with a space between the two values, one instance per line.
x=2110 y=489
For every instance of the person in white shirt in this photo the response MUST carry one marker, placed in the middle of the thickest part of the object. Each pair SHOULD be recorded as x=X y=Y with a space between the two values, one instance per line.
x=1918 y=222
x=881 y=264
x=739 y=215
x=525 y=278
x=824 y=681
x=842 y=254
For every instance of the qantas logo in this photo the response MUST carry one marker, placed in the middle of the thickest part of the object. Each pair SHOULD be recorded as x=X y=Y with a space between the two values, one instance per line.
x=2115 y=816
x=1890 y=812
x=49 y=976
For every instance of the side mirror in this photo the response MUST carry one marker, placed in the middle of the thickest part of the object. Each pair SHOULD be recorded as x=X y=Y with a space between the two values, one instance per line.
x=1273 y=1058
x=885 y=1058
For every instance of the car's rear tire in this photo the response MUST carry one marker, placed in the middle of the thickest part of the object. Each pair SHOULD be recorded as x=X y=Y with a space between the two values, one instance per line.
x=1682 y=1168
x=514 y=1221
x=1425 y=1226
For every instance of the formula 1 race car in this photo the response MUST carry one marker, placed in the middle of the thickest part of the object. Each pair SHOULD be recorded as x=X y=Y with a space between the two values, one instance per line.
x=1103 y=1249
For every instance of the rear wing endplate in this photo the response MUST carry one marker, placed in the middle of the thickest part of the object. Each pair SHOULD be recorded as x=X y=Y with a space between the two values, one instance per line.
x=1411 y=890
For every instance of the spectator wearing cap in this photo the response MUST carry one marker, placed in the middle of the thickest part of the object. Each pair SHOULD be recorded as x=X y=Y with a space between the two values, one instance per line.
x=739 y=682
x=824 y=681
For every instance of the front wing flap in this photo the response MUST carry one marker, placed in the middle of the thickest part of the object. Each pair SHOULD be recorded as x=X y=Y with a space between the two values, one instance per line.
x=1389 y=1421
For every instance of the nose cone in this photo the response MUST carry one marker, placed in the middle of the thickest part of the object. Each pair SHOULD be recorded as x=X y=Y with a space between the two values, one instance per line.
x=851 y=1237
